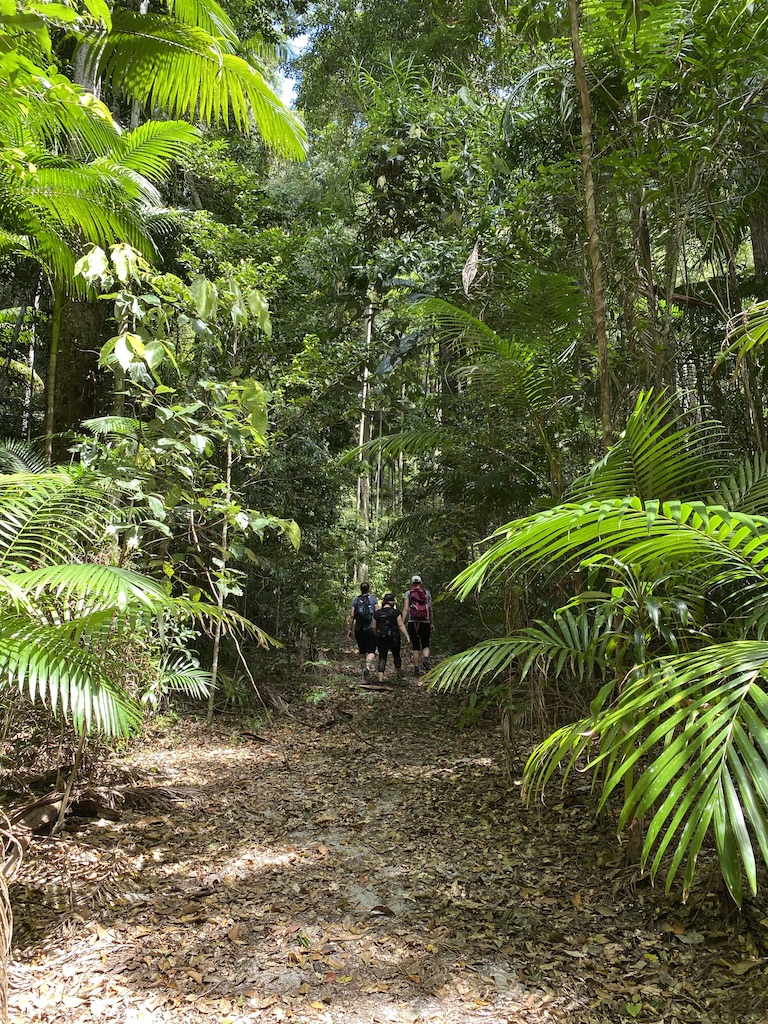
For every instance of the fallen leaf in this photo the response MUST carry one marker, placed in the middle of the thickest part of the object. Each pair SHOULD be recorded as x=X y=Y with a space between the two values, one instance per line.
x=744 y=966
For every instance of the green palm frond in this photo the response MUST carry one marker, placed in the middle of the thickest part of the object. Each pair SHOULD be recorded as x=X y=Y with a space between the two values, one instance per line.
x=659 y=455
x=20 y=457
x=207 y=15
x=570 y=640
x=150 y=149
x=39 y=113
x=728 y=548
x=49 y=663
x=66 y=203
x=46 y=517
x=500 y=365
x=455 y=324
x=181 y=69
x=424 y=441
x=179 y=676
x=691 y=733
x=746 y=490
x=99 y=587
x=747 y=334
x=120 y=426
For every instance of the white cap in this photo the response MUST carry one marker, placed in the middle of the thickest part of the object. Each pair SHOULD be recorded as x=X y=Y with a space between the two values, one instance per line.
x=415 y=579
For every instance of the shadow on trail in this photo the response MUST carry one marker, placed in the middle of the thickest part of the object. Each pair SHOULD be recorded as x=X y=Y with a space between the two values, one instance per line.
x=373 y=863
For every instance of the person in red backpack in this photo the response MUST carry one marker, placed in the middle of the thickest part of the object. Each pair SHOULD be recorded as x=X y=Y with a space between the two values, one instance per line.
x=420 y=622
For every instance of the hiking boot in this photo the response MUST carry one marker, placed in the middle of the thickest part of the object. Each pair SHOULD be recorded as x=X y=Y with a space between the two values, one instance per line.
x=366 y=674
x=416 y=672
x=425 y=664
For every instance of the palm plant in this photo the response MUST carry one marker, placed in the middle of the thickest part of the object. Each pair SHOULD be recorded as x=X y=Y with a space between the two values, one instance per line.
x=682 y=718
x=66 y=625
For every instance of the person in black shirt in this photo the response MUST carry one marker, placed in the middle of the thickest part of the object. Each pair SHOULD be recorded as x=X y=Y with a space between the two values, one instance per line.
x=361 y=618
x=389 y=628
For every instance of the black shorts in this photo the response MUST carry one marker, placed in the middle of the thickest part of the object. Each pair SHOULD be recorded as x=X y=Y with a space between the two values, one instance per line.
x=419 y=632
x=366 y=641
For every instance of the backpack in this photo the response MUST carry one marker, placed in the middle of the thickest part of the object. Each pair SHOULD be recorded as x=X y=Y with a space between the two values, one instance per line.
x=418 y=610
x=387 y=620
x=363 y=612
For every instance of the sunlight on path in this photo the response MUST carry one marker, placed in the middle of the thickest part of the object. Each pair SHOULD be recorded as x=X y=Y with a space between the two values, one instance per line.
x=366 y=864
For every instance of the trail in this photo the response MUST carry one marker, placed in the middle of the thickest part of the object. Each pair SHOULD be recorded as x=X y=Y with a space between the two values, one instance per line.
x=364 y=861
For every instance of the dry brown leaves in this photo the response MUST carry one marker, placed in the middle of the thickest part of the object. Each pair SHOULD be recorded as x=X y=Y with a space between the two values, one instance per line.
x=369 y=863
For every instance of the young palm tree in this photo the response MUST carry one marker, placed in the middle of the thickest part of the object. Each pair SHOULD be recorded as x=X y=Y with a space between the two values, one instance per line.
x=67 y=624
x=681 y=722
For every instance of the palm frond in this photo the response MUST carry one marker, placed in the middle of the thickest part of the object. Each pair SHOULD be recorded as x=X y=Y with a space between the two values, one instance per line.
x=98 y=587
x=207 y=15
x=20 y=457
x=45 y=517
x=150 y=149
x=702 y=719
x=728 y=548
x=120 y=426
x=179 y=676
x=424 y=441
x=659 y=455
x=746 y=335
x=570 y=640
x=49 y=663
x=746 y=490
x=181 y=69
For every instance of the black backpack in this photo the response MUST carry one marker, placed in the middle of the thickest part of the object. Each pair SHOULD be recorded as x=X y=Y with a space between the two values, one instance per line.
x=363 y=611
x=387 y=620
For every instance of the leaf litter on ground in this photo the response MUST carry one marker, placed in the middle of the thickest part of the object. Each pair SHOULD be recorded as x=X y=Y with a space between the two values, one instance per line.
x=380 y=868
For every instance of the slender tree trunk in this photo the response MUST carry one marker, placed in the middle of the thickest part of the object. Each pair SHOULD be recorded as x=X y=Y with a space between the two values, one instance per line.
x=758 y=231
x=590 y=208
x=29 y=390
x=749 y=375
x=364 y=435
x=224 y=549
x=53 y=358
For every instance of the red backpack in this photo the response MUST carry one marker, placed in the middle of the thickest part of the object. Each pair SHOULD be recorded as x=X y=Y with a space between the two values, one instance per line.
x=418 y=605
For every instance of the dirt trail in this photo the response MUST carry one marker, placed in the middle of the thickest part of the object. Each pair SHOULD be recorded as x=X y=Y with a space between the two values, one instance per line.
x=369 y=862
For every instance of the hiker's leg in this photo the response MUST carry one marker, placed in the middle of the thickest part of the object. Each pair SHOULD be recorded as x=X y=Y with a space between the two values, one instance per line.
x=396 y=657
x=368 y=648
x=360 y=647
x=426 y=632
x=413 y=633
x=382 y=659
x=370 y=658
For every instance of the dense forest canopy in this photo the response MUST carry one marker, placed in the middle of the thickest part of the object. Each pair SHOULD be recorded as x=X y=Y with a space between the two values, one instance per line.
x=502 y=273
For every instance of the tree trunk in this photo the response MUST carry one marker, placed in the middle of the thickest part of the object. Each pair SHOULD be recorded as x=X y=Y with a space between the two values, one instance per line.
x=364 y=435
x=758 y=229
x=29 y=390
x=53 y=360
x=590 y=211
x=77 y=378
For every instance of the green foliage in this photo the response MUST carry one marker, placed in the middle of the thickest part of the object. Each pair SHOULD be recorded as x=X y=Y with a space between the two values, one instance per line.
x=675 y=630
x=64 y=623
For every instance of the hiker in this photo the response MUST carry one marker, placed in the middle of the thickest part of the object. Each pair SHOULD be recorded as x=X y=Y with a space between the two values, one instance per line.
x=389 y=627
x=420 y=622
x=361 y=618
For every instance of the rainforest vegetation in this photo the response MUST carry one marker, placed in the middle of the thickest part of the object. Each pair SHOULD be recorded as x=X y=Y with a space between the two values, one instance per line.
x=483 y=297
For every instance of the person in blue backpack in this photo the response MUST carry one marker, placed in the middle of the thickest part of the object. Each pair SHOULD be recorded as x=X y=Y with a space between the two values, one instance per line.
x=361 y=620
x=420 y=622
x=389 y=628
